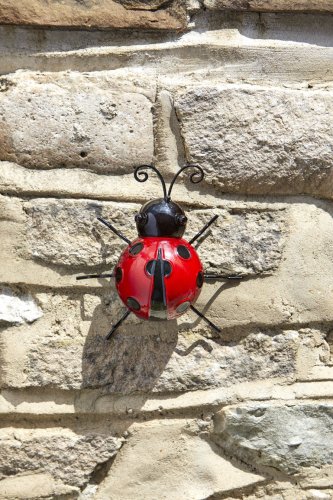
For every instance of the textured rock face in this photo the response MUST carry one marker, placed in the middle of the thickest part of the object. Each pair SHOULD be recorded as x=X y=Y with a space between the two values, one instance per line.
x=101 y=14
x=242 y=242
x=259 y=141
x=17 y=308
x=184 y=456
x=271 y=6
x=97 y=121
x=287 y=438
x=67 y=457
x=68 y=350
x=166 y=410
x=67 y=233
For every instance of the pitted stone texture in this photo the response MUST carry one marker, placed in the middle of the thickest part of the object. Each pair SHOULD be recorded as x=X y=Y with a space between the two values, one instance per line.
x=17 y=307
x=68 y=457
x=67 y=232
x=258 y=140
x=98 y=121
x=271 y=5
x=174 y=462
x=33 y=486
x=130 y=14
x=199 y=363
x=242 y=242
x=286 y=437
x=67 y=349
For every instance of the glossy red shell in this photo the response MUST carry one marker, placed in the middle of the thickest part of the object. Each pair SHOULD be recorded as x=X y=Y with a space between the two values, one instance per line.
x=182 y=284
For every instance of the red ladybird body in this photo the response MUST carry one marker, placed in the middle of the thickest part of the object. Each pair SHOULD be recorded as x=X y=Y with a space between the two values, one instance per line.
x=158 y=277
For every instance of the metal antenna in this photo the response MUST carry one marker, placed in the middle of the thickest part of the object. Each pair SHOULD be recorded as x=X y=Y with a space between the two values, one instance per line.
x=198 y=313
x=91 y=276
x=195 y=177
x=110 y=226
x=114 y=328
x=141 y=176
x=206 y=226
x=221 y=277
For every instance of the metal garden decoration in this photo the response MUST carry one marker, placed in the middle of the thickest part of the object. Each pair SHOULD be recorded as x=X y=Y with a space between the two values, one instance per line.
x=159 y=275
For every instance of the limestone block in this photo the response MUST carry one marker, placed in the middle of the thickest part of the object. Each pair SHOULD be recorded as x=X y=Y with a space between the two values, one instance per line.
x=48 y=241
x=100 y=121
x=66 y=349
x=104 y=14
x=32 y=486
x=66 y=456
x=17 y=308
x=241 y=242
x=271 y=5
x=67 y=233
x=259 y=140
x=174 y=463
x=286 y=437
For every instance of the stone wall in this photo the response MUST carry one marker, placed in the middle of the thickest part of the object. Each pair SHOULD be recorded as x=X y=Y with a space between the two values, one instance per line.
x=88 y=91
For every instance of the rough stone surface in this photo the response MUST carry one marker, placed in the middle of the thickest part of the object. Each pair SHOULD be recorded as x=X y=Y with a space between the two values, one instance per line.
x=174 y=463
x=288 y=437
x=94 y=121
x=33 y=486
x=241 y=242
x=67 y=232
x=67 y=350
x=64 y=455
x=259 y=140
x=104 y=14
x=271 y=6
x=244 y=413
x=17 y=308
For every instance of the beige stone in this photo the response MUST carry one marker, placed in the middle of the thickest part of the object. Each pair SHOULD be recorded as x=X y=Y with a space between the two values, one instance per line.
x=286 y=437
x=294 y=50
x=55 y=239
x=271 y=6
x=173 y=463
x=258 y=140
x=67 y=349
x=99 y=121
x=103 y=14
x=16 y=308
x=61 y=453
x=299 y=290
x=33 y=486
x=47 y=402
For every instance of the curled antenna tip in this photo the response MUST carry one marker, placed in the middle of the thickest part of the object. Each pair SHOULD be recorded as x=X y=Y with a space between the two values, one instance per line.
x=195 y=177
x=141 y=176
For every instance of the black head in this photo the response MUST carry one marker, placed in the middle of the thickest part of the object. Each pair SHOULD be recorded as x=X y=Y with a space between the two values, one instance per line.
x=163 y=217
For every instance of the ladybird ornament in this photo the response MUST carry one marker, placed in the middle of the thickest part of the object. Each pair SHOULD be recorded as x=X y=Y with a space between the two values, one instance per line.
x=159 y=275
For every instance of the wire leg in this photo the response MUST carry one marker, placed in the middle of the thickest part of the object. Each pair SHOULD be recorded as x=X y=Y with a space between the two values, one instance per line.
x=91 y=276
x=198 y=313
x=206 y=226
x=221 y=277
x=114 y=328
x=113 y=229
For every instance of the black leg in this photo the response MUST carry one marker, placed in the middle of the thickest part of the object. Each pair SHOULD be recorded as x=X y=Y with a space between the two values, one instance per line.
x=91 y=276
x=222 y=277
x=114 y=328
x=206 y=226
x=110 y=226
x=216 y=328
